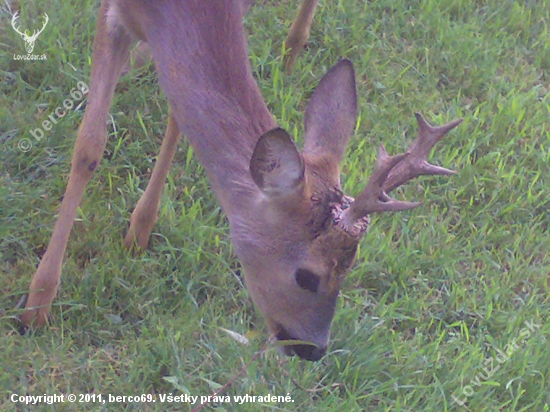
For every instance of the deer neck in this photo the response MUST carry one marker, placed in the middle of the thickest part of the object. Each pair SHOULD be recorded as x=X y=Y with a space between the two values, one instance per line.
x=207 y=77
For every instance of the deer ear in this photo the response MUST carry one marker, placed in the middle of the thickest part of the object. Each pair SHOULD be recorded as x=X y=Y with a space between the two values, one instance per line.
x=277 y=166
x=332 y=113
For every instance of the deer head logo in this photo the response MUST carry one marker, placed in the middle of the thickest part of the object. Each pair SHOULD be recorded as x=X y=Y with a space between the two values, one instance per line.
x=29 y=40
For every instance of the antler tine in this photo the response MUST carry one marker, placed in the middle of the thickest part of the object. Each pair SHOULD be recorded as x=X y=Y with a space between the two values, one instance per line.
x=373 y=198
x=13 y=19
x=415 y=164
x=35 y=33
x=46 y=20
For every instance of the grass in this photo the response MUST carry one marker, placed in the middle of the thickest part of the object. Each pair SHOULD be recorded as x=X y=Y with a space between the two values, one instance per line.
x=436 y=292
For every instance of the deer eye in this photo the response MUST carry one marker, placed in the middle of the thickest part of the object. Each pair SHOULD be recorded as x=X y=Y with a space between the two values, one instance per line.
x=307 y=280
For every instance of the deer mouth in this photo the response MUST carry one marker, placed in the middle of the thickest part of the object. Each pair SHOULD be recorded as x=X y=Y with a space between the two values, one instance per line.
x=309 y=352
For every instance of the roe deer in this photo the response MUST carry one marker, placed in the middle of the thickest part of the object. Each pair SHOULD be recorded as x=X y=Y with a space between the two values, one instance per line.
x=293 y=230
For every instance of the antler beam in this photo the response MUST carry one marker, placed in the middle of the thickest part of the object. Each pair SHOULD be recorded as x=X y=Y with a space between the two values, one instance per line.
x=373 y=198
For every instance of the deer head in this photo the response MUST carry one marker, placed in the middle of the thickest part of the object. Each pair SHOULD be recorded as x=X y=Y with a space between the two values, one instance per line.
x=299 y=238
x=29 y=40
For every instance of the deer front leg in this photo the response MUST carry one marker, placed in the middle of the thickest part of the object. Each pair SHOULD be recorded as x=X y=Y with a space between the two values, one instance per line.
x=111 y=50
x=299 y=33
x=144 y=215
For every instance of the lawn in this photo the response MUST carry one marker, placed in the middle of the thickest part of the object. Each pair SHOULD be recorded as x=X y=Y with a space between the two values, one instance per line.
x=447 y=306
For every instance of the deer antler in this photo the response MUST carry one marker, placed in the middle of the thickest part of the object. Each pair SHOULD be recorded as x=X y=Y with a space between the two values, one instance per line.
x=24 y=34
x=13 y=19
x=415 y=164
x=36 y=33
x=391 y=172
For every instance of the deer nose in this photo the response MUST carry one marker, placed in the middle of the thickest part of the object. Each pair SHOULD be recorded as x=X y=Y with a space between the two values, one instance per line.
x=309 y=352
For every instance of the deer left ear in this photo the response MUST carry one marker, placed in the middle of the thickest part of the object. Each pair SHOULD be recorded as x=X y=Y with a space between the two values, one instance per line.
x=277 y=166
x=332 y=114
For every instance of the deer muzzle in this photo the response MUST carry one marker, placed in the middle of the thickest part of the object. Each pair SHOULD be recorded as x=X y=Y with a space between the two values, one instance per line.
x=310 y=352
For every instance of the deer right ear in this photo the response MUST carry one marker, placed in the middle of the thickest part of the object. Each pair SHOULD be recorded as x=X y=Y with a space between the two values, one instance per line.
x=277 y=166
x=332 y=113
